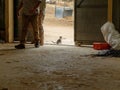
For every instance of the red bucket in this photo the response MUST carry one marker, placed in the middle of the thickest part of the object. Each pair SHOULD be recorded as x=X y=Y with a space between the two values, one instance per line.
x=101 y=46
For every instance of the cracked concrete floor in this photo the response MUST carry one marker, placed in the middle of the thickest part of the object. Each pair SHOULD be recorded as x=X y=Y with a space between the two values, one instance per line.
x=53 y=67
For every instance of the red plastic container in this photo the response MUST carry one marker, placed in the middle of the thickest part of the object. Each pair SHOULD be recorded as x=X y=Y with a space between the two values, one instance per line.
x=101 y=46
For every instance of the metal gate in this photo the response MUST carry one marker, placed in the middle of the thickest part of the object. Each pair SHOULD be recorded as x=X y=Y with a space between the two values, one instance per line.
x=90 y=15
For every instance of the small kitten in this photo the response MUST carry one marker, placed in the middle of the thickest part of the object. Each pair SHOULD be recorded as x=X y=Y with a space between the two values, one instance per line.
x=59 y=41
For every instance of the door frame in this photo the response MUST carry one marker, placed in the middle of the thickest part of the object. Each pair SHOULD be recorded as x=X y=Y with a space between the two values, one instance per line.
x=9 y=21
x=110 y=9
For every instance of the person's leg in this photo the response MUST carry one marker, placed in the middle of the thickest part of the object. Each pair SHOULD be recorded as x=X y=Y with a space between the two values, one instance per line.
x=34 y=22
x=41 y=30
x=25 y=23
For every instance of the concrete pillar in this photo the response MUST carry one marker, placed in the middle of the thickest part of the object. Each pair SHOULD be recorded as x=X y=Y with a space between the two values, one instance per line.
x=9 y=20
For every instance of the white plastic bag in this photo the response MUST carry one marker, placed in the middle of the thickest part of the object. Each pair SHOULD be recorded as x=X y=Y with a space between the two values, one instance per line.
x=111 y=36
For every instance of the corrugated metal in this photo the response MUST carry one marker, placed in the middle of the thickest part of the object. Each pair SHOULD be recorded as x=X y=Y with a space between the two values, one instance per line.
x=2 y=20
x=90 y=15
x=116 y=14
x=2 y=15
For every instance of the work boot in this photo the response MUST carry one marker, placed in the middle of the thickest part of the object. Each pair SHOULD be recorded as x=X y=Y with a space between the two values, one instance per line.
x=37 y=44
x=20 y=46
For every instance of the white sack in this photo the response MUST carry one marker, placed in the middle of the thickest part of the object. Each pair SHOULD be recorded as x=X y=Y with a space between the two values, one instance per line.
x=111 y=36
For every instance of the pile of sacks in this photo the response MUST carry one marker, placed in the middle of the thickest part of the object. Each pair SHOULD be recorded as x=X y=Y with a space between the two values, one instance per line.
x=112 y=37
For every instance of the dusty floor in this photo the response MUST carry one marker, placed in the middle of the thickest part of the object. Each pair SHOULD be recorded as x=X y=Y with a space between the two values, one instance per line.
x=54 y=67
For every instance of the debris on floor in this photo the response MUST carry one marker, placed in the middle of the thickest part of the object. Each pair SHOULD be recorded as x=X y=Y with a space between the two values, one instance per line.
x=4 y=89
x=111 y=53
x=1 y=54
x=2 y=41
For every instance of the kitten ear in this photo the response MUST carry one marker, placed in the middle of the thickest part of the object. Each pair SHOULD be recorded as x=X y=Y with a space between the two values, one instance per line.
x=60 y=36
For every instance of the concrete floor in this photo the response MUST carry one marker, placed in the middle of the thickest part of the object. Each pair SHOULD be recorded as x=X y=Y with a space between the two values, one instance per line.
x=57 y=67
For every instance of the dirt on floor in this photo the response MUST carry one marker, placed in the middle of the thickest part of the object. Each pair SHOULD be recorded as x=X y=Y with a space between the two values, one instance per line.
x=55 y=67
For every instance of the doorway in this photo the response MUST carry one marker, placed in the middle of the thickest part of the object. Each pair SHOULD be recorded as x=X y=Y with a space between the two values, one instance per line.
x=58 y=25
